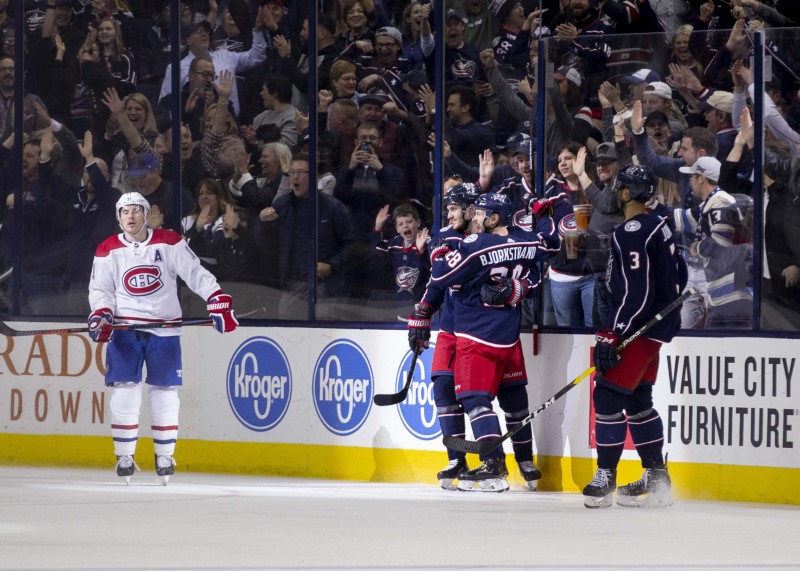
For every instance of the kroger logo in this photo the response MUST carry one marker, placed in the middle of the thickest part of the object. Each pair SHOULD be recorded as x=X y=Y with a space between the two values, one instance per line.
x=259 y=384
x=343 y=384
x=418 y=411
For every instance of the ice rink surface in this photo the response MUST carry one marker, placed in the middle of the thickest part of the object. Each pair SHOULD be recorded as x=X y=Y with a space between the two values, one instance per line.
x=87 y=519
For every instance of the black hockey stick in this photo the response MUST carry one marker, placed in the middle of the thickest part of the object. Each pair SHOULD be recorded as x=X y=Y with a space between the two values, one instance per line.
x=396 y=398
x=9 y=332
x=463 y=445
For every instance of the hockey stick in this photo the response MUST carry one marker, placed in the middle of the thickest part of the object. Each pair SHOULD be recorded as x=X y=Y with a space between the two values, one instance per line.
x=9 y=332
x=463 y=445
x=396 y=398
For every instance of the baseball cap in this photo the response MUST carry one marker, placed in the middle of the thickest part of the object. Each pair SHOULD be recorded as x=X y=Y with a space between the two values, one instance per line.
x=455 y=12
x=415 y=78
x=393 y=33
x=142 y=164
x=500 y=9
x=707 y=166
x=606 y=152
x=187 y=31
x=660 y=89
x=376 y=97
x=569 y=73
x=519 y=143
x=642 y=76
x=719 y=100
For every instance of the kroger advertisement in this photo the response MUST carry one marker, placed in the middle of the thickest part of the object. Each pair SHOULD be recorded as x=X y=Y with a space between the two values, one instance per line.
x=728 y=401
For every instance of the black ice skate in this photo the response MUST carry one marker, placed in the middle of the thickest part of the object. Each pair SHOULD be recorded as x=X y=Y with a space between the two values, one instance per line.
x=452 y=472
x=652 y=490
x=530 y=474
x=126 y=467
x=488 y=477
x=165 y=467
x=597 y=493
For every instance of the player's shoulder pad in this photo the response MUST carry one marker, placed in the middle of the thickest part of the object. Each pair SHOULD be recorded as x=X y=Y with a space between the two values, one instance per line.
x=108 y=245
x=162 y=236
x=470 y=239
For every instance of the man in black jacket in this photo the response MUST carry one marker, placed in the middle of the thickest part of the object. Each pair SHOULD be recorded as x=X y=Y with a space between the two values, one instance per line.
x=334 y=236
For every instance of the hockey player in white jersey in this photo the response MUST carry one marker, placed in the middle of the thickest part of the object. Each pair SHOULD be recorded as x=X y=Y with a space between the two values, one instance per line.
x=134 y=281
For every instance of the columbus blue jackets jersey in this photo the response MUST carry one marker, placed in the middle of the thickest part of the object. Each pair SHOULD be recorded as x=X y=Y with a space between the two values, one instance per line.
x=645 y=274
x=452 y=238
x=479 y=258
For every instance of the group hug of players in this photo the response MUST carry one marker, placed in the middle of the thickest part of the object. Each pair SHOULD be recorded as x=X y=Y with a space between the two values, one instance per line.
x=482 y=267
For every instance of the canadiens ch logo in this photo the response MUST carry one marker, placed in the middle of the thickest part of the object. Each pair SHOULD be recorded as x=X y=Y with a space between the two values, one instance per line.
x=142 y=280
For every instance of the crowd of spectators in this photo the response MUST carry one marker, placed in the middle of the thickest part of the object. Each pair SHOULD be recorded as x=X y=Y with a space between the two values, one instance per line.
x=665 y=83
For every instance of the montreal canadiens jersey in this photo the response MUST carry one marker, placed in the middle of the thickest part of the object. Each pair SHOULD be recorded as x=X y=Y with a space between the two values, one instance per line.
x=138 y=280
x=645 y=274
x=480 y=257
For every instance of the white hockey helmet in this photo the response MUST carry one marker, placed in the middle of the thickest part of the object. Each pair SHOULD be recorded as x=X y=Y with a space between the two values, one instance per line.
x=130 y=198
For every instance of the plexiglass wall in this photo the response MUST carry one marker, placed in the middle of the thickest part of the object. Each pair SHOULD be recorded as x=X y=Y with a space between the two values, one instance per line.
x=302 y=149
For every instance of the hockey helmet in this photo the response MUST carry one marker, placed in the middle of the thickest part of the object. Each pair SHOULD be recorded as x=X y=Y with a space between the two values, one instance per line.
x=496 y=202
x=462 y=194
x=130 y=198
x=640 y=182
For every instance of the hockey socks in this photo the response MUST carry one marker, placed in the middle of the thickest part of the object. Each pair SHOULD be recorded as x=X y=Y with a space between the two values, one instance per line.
x=124 y=404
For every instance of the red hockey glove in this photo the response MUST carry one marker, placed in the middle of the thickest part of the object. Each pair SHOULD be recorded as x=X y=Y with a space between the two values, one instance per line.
x=501 y=292
x=220 y=309
x=439 y=251
x=419 y=327
x=606 y=355
x=100 y=322
x=542 y=206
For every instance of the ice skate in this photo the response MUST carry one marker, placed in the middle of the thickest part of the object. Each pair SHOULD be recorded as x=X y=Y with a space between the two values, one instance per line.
x=652 y=490
x=490 y=476
x=165 y=467
x=598 y=492
x=126 y=467
x=530 y=474
x=452 y=471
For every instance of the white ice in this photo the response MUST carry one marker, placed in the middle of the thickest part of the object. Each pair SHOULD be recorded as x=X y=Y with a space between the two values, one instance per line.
x=88 y=519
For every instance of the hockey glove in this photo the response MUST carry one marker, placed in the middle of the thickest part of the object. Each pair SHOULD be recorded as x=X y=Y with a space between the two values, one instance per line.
x=419 y=327
x=440 y=251
x=606 y=355
x=100 y=322
x=220 y=309
x=501 y=292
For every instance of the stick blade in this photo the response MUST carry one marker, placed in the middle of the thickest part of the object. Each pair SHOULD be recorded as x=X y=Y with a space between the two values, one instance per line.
x=469 y=446
x=389 y=399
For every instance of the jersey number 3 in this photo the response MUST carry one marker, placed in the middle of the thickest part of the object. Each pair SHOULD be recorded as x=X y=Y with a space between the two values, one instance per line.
x=634 y=260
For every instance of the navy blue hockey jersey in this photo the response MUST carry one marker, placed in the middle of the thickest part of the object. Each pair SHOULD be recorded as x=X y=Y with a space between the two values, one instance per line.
x=645 y=274
x=479 y=258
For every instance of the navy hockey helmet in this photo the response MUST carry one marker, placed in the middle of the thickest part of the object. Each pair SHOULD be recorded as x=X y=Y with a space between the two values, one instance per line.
x=496 y=202
x=462 y=194
x=640 y=181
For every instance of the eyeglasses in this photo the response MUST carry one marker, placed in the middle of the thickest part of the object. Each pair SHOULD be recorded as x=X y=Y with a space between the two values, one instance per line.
x=8 y=69
x=299 y=172
x=348 y=78
x=206 y=74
